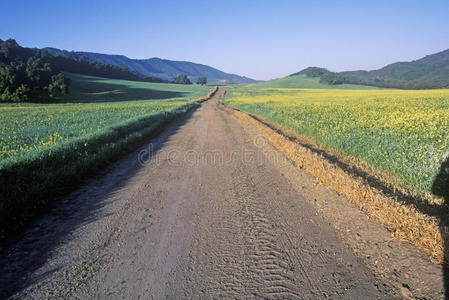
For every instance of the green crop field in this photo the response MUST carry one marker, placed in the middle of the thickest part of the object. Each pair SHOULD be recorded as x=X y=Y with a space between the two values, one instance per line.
x=24 y=129
x=96 y=89
x=27 y=129
x=46 y=149
x=405 y=133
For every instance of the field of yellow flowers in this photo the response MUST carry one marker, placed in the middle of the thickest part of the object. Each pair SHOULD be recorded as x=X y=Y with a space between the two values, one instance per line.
x=405 y=133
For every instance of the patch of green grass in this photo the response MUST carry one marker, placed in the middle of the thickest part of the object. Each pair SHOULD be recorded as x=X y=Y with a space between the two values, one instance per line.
x=27 y=129
x=30 y=127
x=304 y=82
x=226 y=127
x=96 y=89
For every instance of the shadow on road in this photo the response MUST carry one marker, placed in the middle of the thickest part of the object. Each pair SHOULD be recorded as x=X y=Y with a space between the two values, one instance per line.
x=20 y=261
x=440 y=188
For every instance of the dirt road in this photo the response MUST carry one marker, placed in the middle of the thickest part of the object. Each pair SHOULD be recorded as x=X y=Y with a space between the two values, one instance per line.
x=202 y=212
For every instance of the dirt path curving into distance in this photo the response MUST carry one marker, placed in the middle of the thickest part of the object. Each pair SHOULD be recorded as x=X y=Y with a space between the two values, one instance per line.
x=203 y=212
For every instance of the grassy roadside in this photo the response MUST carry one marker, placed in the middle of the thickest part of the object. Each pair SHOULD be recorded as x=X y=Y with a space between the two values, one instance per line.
x=403 y=133
x=30 y=182
x=24 y=130
x=406 y=216
x=385 y=151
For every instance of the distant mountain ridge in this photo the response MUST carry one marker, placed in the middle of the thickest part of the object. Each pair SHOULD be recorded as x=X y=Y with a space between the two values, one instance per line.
x=431 y=71
x=429 y=67
x=157 y=67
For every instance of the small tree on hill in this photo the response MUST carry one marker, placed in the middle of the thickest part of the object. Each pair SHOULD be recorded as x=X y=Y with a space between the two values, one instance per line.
x=58 y=86
x=201 y=80
x=182 y=79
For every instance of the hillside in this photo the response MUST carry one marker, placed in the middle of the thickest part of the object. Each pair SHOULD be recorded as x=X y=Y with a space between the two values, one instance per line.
x=29 y=74
x=157 y=67
x=84 y=88
x=305 y=82
x=429 y=72
x=433 y=67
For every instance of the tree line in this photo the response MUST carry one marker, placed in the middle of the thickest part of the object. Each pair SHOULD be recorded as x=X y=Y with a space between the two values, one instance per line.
x=33 y=74
x=27 y=73
x=183 y=79
x=334 y=78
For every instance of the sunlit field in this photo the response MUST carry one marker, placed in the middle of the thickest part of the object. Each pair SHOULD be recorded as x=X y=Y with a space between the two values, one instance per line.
x=25 y=129
x=405 y=133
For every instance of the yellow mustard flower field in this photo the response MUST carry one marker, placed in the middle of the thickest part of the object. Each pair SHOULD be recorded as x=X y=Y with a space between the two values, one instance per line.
x=405 y=133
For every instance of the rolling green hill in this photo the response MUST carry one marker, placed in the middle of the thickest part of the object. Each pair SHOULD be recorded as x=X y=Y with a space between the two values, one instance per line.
x=432 y=68
x=429 y=72
x=157 y=67
x=97 y=89
x=303 y=81
x=34 y=75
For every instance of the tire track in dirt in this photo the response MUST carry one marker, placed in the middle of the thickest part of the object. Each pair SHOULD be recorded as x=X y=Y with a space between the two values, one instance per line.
x=246 y=246
x=265 y=258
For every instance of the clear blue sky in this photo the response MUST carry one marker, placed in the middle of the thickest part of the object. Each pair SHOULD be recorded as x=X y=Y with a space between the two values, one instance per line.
x=256 y=38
